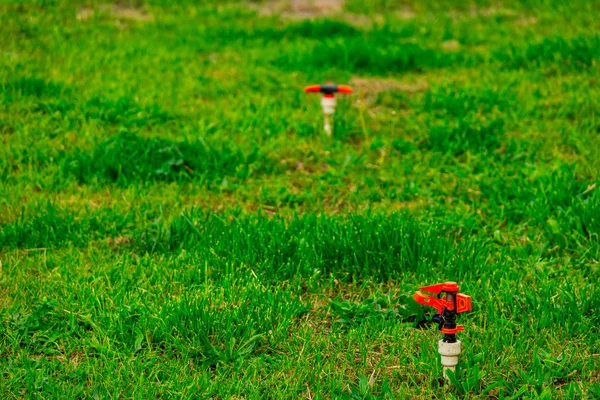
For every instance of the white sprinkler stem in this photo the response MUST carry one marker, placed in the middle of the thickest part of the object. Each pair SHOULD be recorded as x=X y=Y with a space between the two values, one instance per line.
x=449 y=353
x=328 y=104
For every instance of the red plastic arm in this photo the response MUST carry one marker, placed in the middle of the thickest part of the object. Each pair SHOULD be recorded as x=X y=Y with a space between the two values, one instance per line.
x=313 y=89
x=441 y=287
x=430 y=301
x=328 y=89
x=463 y=302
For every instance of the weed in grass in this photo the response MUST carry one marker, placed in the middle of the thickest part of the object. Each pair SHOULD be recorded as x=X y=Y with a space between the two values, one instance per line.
x=575 y=53
x=361 y=55
x=319 y=29
x=375 y=6
x=557 y=202
x=403 y=146
x=32 y=87
x=309 y=245
x=393 y=99
x=48 y=97
x=124 y=112
x=459 y=136
x=466 y=119
x=388 y=307
x=38 y=330
x=224 y=325
x=128 y=158
x=269 y=33
x=460 y=101
x=49 y=226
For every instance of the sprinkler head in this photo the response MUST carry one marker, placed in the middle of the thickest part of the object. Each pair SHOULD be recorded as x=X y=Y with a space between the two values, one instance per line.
x=328 y=100
x=328 y=89
x=448 y=307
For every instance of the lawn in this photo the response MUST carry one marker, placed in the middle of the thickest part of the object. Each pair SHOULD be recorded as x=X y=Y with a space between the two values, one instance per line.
x=174 y=223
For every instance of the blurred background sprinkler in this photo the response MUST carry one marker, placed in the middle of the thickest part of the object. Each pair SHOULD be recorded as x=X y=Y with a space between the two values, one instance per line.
x=448 y=306
x=328 y=100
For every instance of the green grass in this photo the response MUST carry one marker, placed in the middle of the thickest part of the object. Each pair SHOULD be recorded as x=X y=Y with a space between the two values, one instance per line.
x=175 y=224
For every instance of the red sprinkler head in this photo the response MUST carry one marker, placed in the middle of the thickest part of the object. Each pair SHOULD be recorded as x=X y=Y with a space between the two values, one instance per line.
x=447 y=307
x=328 y=89
x=328 y=100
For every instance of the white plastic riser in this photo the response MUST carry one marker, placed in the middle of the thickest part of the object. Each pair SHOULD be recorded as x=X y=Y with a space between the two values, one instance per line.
x=328 y=104
x=449 y=353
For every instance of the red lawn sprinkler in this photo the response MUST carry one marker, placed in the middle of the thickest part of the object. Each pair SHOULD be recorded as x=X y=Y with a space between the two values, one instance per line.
x=448 y=306
x=328 y=99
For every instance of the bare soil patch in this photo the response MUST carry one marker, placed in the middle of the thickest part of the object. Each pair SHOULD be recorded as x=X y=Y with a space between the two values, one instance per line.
x=303 y=9
x=377 y=85
x=116 y=11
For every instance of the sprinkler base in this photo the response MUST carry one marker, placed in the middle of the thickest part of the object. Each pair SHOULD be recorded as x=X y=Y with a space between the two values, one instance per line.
x=449 y=353
x=328 y=104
